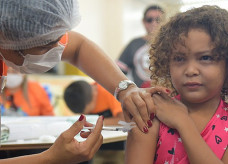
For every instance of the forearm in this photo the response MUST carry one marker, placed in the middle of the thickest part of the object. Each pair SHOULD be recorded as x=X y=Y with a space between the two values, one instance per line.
x=95 y=63
x=197 y=149
x=100 y=67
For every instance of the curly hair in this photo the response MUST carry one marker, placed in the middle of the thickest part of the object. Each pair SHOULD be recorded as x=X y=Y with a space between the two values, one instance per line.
x=211 y=19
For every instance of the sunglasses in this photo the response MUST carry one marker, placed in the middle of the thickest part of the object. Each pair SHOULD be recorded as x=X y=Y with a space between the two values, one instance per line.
x=152 y=19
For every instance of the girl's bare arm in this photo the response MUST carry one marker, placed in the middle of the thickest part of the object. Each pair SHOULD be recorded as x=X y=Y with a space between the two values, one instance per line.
x=141 y=147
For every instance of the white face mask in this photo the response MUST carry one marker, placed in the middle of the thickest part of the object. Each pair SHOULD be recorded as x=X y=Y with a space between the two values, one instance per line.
x=14 y=80
x=38 y=63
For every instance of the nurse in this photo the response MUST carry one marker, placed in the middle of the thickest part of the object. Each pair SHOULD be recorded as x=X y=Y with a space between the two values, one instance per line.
x=34 y=36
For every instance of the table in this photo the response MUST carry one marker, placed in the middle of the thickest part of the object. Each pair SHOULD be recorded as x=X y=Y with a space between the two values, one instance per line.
x=27 y=132
x=36 y=144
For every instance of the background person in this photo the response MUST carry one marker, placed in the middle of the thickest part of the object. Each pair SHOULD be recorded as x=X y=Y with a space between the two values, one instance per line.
x=134 y=59
x=24 y=98
x=82 y=97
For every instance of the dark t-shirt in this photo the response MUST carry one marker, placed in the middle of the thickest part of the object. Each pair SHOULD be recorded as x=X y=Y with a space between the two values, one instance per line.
x=135 y=59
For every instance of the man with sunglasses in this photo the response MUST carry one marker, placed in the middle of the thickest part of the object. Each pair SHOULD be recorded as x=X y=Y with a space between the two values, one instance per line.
x=135 y=57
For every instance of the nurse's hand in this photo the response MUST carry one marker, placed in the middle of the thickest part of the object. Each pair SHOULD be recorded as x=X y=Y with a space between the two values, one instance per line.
x=67 y=149
x=138 y=105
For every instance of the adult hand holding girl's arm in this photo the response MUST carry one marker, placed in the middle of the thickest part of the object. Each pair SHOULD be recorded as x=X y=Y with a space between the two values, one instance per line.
x=138 y=104
x=141 y=148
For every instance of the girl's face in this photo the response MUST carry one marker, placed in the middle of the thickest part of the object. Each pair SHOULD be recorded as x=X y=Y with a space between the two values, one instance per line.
x=195 y=75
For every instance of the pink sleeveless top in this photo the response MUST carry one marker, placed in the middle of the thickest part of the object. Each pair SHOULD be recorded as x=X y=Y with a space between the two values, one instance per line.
x=170 y=149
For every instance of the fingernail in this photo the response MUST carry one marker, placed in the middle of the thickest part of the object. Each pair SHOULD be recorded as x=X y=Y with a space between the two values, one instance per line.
x=81 y=117
x=102 y=117
x=145 y=129
x=151 y=116
x=149 y=123
x=167 y=91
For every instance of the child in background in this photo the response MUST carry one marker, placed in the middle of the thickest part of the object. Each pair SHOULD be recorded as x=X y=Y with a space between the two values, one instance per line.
x=189 y=56
x=82 y=97
x=22 y=97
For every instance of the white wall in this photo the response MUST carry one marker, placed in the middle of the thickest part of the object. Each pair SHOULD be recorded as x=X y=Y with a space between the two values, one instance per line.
x=102 y=23
x=113 y=23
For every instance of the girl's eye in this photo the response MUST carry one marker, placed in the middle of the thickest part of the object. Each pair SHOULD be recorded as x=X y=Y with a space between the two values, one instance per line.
x=207 y=57
x=178 y=58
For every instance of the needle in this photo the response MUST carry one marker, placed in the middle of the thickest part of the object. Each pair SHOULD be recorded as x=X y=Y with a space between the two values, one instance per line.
x=127 y=126
x=107 y=128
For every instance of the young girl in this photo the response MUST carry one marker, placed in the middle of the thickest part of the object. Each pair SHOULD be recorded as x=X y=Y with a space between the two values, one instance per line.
x=189 y=56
